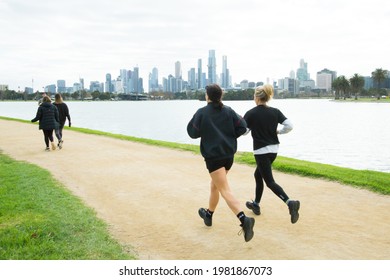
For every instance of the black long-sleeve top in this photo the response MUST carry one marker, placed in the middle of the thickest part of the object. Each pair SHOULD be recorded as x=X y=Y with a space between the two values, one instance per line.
x=263 y=122
x=63 y=112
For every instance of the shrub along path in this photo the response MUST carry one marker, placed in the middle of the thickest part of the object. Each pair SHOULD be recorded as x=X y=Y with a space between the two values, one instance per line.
x=150 y=196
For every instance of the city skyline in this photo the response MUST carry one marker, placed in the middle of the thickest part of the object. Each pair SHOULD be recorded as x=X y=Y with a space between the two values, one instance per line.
x=154 y=82
x=47 y=41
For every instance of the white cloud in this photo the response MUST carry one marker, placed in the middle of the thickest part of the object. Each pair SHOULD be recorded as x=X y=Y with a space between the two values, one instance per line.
x=58 y=39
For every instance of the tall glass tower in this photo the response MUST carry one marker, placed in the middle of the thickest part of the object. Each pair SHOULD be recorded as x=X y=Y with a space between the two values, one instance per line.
x=212 y=68
x=178 y=73
x=108 y=87
x=134 y=79
x=154 y=80
x=200 y=84
x=225 y=73
x=302 y=74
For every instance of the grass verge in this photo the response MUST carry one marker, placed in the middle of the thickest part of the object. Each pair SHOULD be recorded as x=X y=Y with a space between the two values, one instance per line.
x=41 y=220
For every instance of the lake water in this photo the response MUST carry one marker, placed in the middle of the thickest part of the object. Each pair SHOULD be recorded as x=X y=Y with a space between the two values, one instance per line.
x=354 y=135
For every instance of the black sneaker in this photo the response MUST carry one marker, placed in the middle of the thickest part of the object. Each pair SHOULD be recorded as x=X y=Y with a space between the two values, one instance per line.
x=254 y=207
x=247 y=228
x=293 y=207
x=205 y=216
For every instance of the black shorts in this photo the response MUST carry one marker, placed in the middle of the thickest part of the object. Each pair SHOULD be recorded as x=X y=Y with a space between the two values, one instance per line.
x=213 y=165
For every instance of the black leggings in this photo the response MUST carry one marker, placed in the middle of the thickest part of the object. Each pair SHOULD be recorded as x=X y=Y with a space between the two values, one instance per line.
x=48 y=134
x=264 y=172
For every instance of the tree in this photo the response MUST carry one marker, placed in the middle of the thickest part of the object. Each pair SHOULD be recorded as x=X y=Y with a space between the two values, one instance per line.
x=344 y=86
x=357 y=84
x=379 y=76
x=336 y=88
x=340 y=84
x=95 y=95
x=75 y=95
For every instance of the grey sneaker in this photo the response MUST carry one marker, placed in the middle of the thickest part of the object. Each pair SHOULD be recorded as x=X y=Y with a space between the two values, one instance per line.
x=60 y=144
x=293 y=207
x=247 y=228
x=254 y=207
x=207 y=218
x=47 y=149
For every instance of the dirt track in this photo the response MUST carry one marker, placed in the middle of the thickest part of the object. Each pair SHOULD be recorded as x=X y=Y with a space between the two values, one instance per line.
x=150 y=196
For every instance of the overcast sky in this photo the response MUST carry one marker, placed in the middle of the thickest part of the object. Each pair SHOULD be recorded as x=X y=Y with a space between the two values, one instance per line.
x=48 y=40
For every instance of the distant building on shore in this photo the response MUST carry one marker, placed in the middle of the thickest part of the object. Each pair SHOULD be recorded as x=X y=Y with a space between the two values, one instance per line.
x=303 y=77
x=325 y=78
x=3 y=87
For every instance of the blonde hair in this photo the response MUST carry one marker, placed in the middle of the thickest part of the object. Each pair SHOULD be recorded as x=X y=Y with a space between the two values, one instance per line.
x=58 y=98
x=264 y=93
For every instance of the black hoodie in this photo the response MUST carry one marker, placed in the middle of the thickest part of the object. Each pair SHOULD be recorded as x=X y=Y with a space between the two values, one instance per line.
x=218 y=127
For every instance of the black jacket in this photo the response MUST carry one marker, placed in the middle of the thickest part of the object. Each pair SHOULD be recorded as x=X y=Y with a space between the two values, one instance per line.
x=218 y=129
x=47 y=115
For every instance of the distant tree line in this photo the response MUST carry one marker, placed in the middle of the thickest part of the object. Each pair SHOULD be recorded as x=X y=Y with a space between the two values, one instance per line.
x=239 y=94
x=346 y=88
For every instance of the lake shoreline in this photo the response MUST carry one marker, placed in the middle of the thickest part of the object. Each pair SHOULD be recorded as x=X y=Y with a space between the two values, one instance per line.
x=336 y=133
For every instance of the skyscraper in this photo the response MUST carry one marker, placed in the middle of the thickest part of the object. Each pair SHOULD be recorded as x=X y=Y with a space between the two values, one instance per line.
x=225 y=73
x=82 y=83
x=61 y=86
x=192 y=79
x=200 y=84
x=108 y=87
x=212 y=68
x=302 y=74
x=153 y=80
x=178 y=74
x=124 y=81
x=140 y=85
x=178 y=77
x=134 y=81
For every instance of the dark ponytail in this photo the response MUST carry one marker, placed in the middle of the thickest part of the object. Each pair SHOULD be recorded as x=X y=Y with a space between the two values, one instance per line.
x=214 y=92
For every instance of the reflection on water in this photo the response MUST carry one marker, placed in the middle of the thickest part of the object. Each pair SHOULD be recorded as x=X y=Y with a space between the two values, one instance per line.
x=355 y=135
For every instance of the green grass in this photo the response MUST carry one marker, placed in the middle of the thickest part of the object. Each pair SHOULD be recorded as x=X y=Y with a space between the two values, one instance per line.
x=40 y=219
